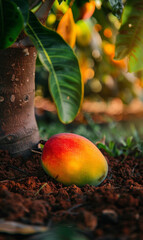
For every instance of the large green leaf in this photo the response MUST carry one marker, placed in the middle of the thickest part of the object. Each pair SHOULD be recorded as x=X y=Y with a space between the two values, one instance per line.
x=23 y=6
x=11 y=23
x=64 y=75
x=130 y=38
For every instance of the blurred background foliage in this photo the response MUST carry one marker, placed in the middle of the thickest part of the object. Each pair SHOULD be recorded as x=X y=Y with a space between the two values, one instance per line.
x=91 y=29
x=109 y=88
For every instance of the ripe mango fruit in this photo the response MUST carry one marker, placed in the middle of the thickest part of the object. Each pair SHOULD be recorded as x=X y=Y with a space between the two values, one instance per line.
x=73 y=159
x=83 y=33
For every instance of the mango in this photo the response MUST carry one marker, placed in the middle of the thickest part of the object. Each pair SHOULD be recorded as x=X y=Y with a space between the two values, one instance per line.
x=83 y=33
x=73 y=159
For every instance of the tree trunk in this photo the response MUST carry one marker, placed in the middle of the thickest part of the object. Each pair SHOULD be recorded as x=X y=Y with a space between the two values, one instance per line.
x=18 y=127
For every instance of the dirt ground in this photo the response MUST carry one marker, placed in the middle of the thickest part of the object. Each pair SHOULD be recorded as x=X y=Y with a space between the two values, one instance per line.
x=110 y=211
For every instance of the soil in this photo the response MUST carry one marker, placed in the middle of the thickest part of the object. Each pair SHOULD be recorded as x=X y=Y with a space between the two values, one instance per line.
x=113 y=210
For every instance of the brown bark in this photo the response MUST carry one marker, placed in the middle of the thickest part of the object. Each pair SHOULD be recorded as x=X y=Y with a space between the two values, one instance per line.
x=18 y=127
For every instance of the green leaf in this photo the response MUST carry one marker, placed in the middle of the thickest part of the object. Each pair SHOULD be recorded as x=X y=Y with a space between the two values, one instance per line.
x=23 y=6
x=106 y=148
x=64 y=74
x=129 y=141
x=130 y=38
x=11 y=23
x=117 y=7
x=136 y=59
x=60 y=232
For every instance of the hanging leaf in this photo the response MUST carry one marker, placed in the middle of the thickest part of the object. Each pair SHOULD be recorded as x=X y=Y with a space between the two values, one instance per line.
x=11 y=23
x=67 y=28
x=64 y=74
x=117 y=7
x=23 y=6
x=130 y=38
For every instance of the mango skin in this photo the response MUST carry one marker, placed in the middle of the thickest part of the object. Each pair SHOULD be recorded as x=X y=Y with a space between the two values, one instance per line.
x=73 y=159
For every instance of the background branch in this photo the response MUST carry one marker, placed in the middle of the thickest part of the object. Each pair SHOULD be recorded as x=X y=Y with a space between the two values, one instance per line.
x=44 y=9
x=34 y=3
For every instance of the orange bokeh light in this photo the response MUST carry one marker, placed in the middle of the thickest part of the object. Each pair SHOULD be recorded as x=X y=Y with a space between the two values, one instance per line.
x=109 y=49
x=89 y=73
x=107 y=33
x=97 y=27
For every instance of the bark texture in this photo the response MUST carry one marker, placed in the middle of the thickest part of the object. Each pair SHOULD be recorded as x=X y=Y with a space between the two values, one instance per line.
x=18 y=127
